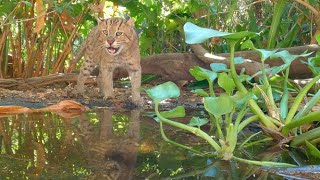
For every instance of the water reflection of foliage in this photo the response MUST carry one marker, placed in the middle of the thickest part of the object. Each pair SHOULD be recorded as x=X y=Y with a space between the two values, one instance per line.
x=33 y=145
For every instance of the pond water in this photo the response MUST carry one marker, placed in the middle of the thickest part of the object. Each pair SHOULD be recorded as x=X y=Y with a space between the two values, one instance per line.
x=104 y=144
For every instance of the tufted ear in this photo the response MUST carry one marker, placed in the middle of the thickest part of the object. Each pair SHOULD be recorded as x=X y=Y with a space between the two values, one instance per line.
x=130 y=22
x=99 y=20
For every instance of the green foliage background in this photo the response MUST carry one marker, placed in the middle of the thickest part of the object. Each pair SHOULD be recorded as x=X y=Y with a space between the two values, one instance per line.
x=24 y=53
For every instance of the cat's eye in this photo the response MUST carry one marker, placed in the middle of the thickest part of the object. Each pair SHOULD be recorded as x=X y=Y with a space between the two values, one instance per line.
x=118 y=33
x=105 y=32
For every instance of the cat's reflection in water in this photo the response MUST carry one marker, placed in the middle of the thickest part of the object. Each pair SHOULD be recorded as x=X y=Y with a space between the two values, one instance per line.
x=112 y=154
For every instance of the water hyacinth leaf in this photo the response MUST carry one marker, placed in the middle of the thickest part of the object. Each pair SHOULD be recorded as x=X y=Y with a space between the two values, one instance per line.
x=200 y=74
x=314 y=151
x=276 y=69
x=218 y=67
x=196 y=121
x=314 y=64
x=211 y=172
x=195 y=34
x=241 y=99
x=264 y=54
x=177 y=112
x=219 y=105
x=248 y=44
x=226 y=82
x=287 y=57
x=200 y=92
x=240 y=35
x=163 y=91
x=239 y=60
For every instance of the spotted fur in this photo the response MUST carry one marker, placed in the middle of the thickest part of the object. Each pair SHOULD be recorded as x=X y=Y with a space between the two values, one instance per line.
x=113 y=43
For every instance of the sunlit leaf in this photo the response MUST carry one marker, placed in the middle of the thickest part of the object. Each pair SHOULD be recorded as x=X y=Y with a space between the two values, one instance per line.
x=248 y=44
x=41 y=12
x=287 y=57
x=219 y=105
x=200 y=74
x=226 y=82
x=195 y=34
x=163 y=91
x=196 y=121
x=200 y=92
x=177 y=112
x=314 y=151
x=239 y=60
x=242 y=99
x=314 y=63
x=276 y=69
x=240 y=35
x=264 y=54
x=218 y=67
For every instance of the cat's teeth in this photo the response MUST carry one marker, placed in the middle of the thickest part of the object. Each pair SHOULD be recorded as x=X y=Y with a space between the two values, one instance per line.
x=112 y=50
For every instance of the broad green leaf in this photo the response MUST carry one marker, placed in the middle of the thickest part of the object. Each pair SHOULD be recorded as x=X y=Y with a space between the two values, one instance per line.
x=219 y=105
x=177 y=112
x=314 y=63
x=276 y=69
x=196 y=121
x=240 y=35
x=264 y=54
x=195 y=34
x=200 y=74
x=200 y=92
x=239 y=60
x=314 y=151
x=226 y=82
x=287 y=57
x=218 y=67
x=248 y=44
x=241 y=99
x=163 y=91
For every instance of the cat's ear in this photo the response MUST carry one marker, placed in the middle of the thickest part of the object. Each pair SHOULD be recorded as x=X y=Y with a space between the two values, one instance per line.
x=99 y=20
x=130 y=22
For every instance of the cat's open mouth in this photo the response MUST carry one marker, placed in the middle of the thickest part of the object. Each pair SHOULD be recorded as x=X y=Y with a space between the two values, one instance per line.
x=112 y=50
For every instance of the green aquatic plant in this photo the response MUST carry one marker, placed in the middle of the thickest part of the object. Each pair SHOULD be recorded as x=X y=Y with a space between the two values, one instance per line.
x=225 y=145
x=282 y=117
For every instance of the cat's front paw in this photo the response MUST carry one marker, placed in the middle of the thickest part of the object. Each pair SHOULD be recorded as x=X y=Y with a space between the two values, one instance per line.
x=138 y=101
x=107 y=97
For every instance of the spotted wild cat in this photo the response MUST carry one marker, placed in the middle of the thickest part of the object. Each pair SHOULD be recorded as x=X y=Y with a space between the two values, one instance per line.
x=113 y=43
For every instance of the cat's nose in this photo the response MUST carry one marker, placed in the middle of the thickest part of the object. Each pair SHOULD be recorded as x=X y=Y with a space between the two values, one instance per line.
x=110 y=41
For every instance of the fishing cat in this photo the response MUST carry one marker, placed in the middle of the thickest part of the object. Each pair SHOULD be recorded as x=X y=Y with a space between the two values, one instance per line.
x=113 y=43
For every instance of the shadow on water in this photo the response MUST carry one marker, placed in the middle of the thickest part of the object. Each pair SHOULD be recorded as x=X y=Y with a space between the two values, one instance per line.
x=102 y=144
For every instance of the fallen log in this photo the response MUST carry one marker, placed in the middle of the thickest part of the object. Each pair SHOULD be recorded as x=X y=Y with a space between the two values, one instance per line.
x=175 y=67
x=297 y=69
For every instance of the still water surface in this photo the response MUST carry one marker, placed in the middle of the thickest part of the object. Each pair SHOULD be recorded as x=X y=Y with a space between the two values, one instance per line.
x=103 y=144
